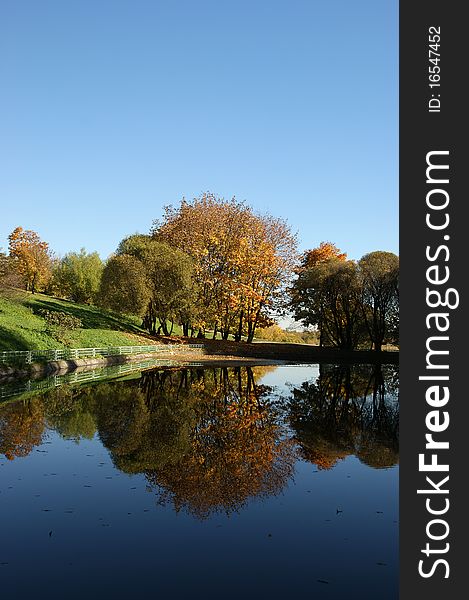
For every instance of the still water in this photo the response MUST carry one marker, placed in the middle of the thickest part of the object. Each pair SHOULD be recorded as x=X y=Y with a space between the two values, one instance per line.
x=233 y=482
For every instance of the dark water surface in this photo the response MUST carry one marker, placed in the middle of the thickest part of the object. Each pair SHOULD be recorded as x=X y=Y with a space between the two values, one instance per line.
x=262 y=482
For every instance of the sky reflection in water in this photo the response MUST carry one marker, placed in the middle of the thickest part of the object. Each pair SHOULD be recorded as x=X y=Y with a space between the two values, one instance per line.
x=207 y=482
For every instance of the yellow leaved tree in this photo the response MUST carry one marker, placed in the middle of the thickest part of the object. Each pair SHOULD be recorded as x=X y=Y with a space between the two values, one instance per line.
x=31 y=257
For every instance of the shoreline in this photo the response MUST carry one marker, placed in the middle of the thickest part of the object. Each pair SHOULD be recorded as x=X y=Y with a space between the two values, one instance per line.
x=62 y=367
x=213 y=352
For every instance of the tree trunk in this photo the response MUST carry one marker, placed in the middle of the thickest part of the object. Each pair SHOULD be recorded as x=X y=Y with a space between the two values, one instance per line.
x=252 y=327
x=239 y=333
x=164 y=326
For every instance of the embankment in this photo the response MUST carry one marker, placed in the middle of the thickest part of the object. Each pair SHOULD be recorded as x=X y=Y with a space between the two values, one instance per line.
x=297 y=352
x=214 y=351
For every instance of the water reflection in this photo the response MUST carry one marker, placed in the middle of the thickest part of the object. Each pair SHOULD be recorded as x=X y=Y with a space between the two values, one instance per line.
x=348 y=410
x=210 y=440
x=221 y=442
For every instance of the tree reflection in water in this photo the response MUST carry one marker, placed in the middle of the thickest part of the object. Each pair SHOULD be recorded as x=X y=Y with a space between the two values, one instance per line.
x=211 y=440
x=21 y=428
x=348 y=410
x=235 y=448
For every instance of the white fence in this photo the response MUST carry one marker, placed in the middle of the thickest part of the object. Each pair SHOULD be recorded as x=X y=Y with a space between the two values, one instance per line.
x=16 y=357
x=40 y=385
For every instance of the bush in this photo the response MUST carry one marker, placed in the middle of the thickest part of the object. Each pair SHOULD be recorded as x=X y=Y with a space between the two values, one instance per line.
x=60 y=319
x=274 y=333
x=59 y=325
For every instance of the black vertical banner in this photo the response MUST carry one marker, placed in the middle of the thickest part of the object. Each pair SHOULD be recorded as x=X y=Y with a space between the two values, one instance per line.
x=433 y=345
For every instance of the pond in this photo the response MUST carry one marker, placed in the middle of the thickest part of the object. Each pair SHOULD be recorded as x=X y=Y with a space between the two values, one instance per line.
x=204 y=482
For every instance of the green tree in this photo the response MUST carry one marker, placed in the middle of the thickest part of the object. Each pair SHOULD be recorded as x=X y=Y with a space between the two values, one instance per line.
x=124 y=287
x=149 y=273
x=327 y=295
x=134 y=245
x=78 y=276
x=170 y=277
x=380 y=297
x=305 y=298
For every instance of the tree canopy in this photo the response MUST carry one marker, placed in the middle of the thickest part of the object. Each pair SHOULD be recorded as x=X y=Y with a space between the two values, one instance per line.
x=78 y=275
x=350 y=303
x=124 y=285
x=149 y=278
x=242 y=260
x=380 y=295
x=216 y=265
x=31 y=257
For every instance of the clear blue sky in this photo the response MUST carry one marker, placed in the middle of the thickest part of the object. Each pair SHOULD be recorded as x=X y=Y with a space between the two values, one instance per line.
x=111 y=109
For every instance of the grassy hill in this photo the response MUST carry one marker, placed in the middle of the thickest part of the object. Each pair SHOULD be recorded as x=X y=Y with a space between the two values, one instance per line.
x=23 y=325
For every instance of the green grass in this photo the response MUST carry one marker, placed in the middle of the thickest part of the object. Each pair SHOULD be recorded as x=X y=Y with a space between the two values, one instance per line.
x=21 y=328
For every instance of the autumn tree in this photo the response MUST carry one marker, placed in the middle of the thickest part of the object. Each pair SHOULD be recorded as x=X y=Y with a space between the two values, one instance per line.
x=242 y=260
x=78 y=276
x=207 y=439
x=326 y=295
x=31 y=258
x=134 y=245
x=306 y=299
x=348 y=302
x=380 y=297
x=325 y=251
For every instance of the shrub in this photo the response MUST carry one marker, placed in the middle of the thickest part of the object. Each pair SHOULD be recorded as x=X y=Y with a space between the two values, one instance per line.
x=60 y=319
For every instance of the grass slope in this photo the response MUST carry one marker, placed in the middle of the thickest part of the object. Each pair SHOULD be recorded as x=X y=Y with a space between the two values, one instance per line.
x=22 y=329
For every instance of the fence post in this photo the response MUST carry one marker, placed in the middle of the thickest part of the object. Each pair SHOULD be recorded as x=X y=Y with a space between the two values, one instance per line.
x=29 y=358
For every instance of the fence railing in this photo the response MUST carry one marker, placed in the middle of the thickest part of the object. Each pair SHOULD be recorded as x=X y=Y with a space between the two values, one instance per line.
x=15 y=357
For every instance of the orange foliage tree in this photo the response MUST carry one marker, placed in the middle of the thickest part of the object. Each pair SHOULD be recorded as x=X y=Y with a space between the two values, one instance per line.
x=309 y=299
x=236 y=449
x=31 y=256
x=325 y=251
x=242 y=260
x=208 y=440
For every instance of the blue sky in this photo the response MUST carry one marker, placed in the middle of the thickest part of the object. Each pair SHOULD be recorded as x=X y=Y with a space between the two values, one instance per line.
x=111 y=109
